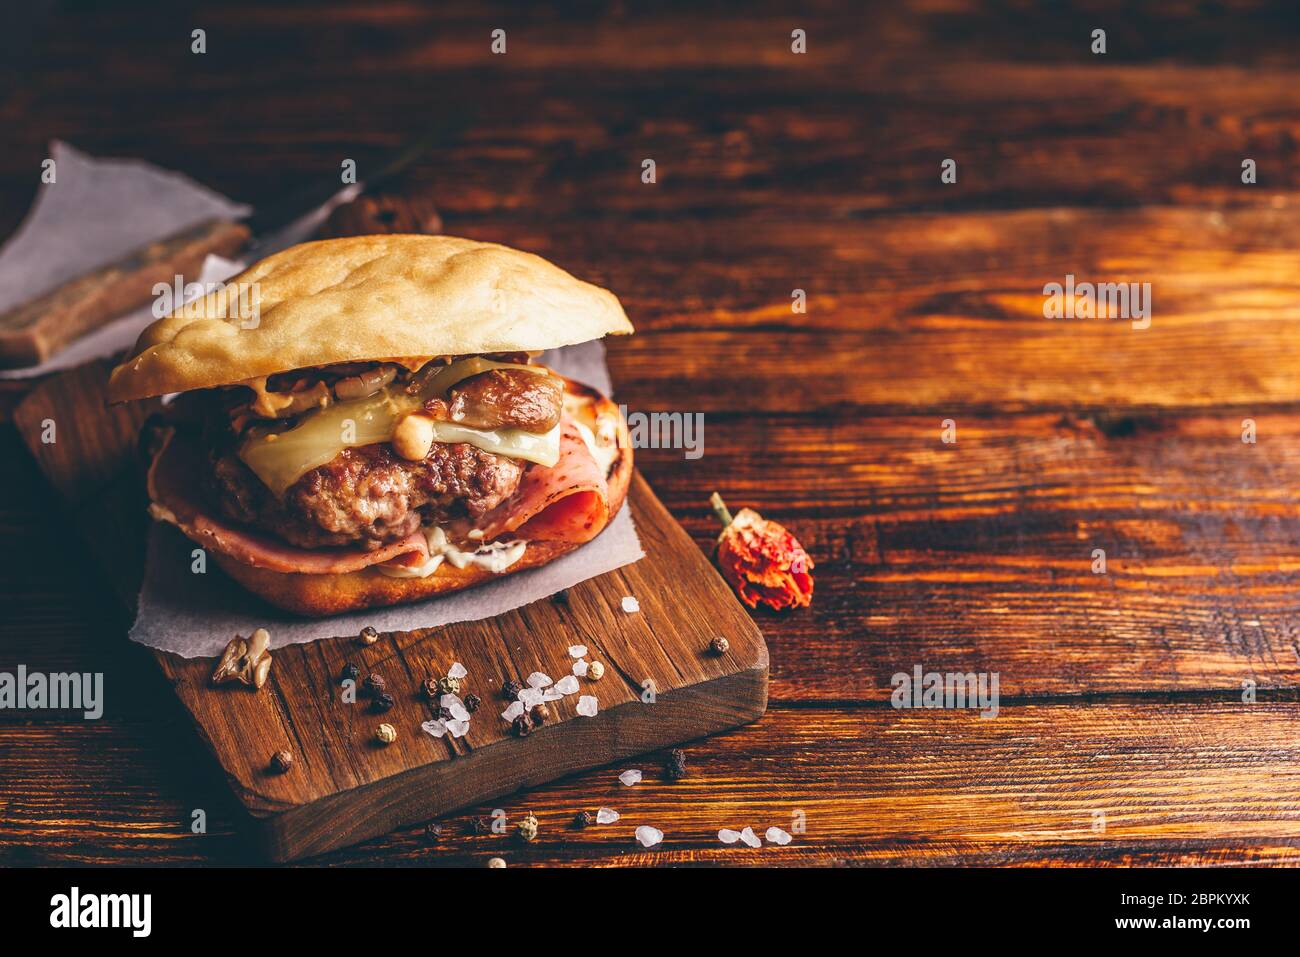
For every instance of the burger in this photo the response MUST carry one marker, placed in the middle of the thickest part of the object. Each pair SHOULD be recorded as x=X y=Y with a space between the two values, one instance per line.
x=378 y=430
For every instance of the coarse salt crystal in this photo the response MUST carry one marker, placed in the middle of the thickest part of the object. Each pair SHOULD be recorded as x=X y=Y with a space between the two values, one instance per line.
x=457 y=671
x=580 y=668
x=606 y=815
x=750 y=838
x=458 y=728
x=435 y=727
x=531 y=697
x=515 y=710
x=538 y=680
x=567 y=685
x=649 y=836
x=775 y=835
x=630 y=604
x=630 y=777
x=458 y=712
x=577 y=651
x=728 y=836
x=588 y=706
x=552 y=695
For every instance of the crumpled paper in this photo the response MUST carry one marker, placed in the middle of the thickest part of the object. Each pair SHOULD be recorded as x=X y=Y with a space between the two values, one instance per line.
x=94 y=211
x=127 y=203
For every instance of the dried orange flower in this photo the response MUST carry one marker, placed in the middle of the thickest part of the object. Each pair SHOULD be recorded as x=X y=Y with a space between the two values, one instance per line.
x=762 y=560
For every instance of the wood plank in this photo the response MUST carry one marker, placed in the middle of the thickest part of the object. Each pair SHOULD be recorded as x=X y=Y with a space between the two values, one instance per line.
x=570 y=114
x=861 y=146
x=979 y=555
x=945 y=312
x=1179 y=781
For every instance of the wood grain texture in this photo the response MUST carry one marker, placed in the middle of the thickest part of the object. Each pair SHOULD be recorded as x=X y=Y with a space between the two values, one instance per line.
x=944 y=312
x=819 y=172
x=1178 y=782
x=980 y=554
x=858 y=124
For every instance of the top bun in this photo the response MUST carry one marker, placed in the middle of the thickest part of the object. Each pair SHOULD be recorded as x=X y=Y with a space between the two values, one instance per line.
x=367 y=298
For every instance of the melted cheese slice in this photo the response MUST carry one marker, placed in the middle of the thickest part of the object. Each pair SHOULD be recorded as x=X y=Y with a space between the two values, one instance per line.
x=281 y=458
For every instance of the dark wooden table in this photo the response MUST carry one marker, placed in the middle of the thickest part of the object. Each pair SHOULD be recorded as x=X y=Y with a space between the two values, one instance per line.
x=1123 y=736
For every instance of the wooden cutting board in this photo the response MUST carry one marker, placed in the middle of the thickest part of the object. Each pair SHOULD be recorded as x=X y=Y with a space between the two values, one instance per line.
x=344 y=787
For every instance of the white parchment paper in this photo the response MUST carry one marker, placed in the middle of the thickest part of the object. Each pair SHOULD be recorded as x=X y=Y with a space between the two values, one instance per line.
x=100 y=209
x=95 y=211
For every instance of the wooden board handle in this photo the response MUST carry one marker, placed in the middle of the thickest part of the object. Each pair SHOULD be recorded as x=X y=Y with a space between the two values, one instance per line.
x=33 y=331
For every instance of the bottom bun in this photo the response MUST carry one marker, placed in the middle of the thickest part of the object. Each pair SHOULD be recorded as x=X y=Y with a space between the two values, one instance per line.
x=319 y=595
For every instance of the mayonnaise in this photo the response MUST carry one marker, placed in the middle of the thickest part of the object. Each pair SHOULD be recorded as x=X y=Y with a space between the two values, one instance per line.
x=603 y=454
x=496 y=557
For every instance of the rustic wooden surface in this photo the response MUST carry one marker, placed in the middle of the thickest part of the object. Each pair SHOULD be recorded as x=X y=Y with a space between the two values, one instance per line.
x=1122 y=693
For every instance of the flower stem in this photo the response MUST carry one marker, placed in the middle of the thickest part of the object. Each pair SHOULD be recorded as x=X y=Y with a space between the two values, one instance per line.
x=720 y=509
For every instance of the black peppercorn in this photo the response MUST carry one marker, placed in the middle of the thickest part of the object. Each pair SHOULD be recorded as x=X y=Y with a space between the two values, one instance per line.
x=719 y=645
x=383 y=702
x=675 y=766
x=583 y=819
x=368 y=635
x=510 y=690
x=350 y=673
x=374 y=684
x=444 y=713
x=429 y=688
x=540 y=714
x=522 y=726
x=281 y=762
x=561 y=597
x=472 y=701
x=432 y=833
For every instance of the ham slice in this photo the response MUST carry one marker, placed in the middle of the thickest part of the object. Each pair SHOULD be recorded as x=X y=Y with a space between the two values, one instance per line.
x=568 y=502
x=172 y=476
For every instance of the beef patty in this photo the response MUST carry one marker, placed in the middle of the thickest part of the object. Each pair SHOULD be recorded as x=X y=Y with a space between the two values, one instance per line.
x=368 y=495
